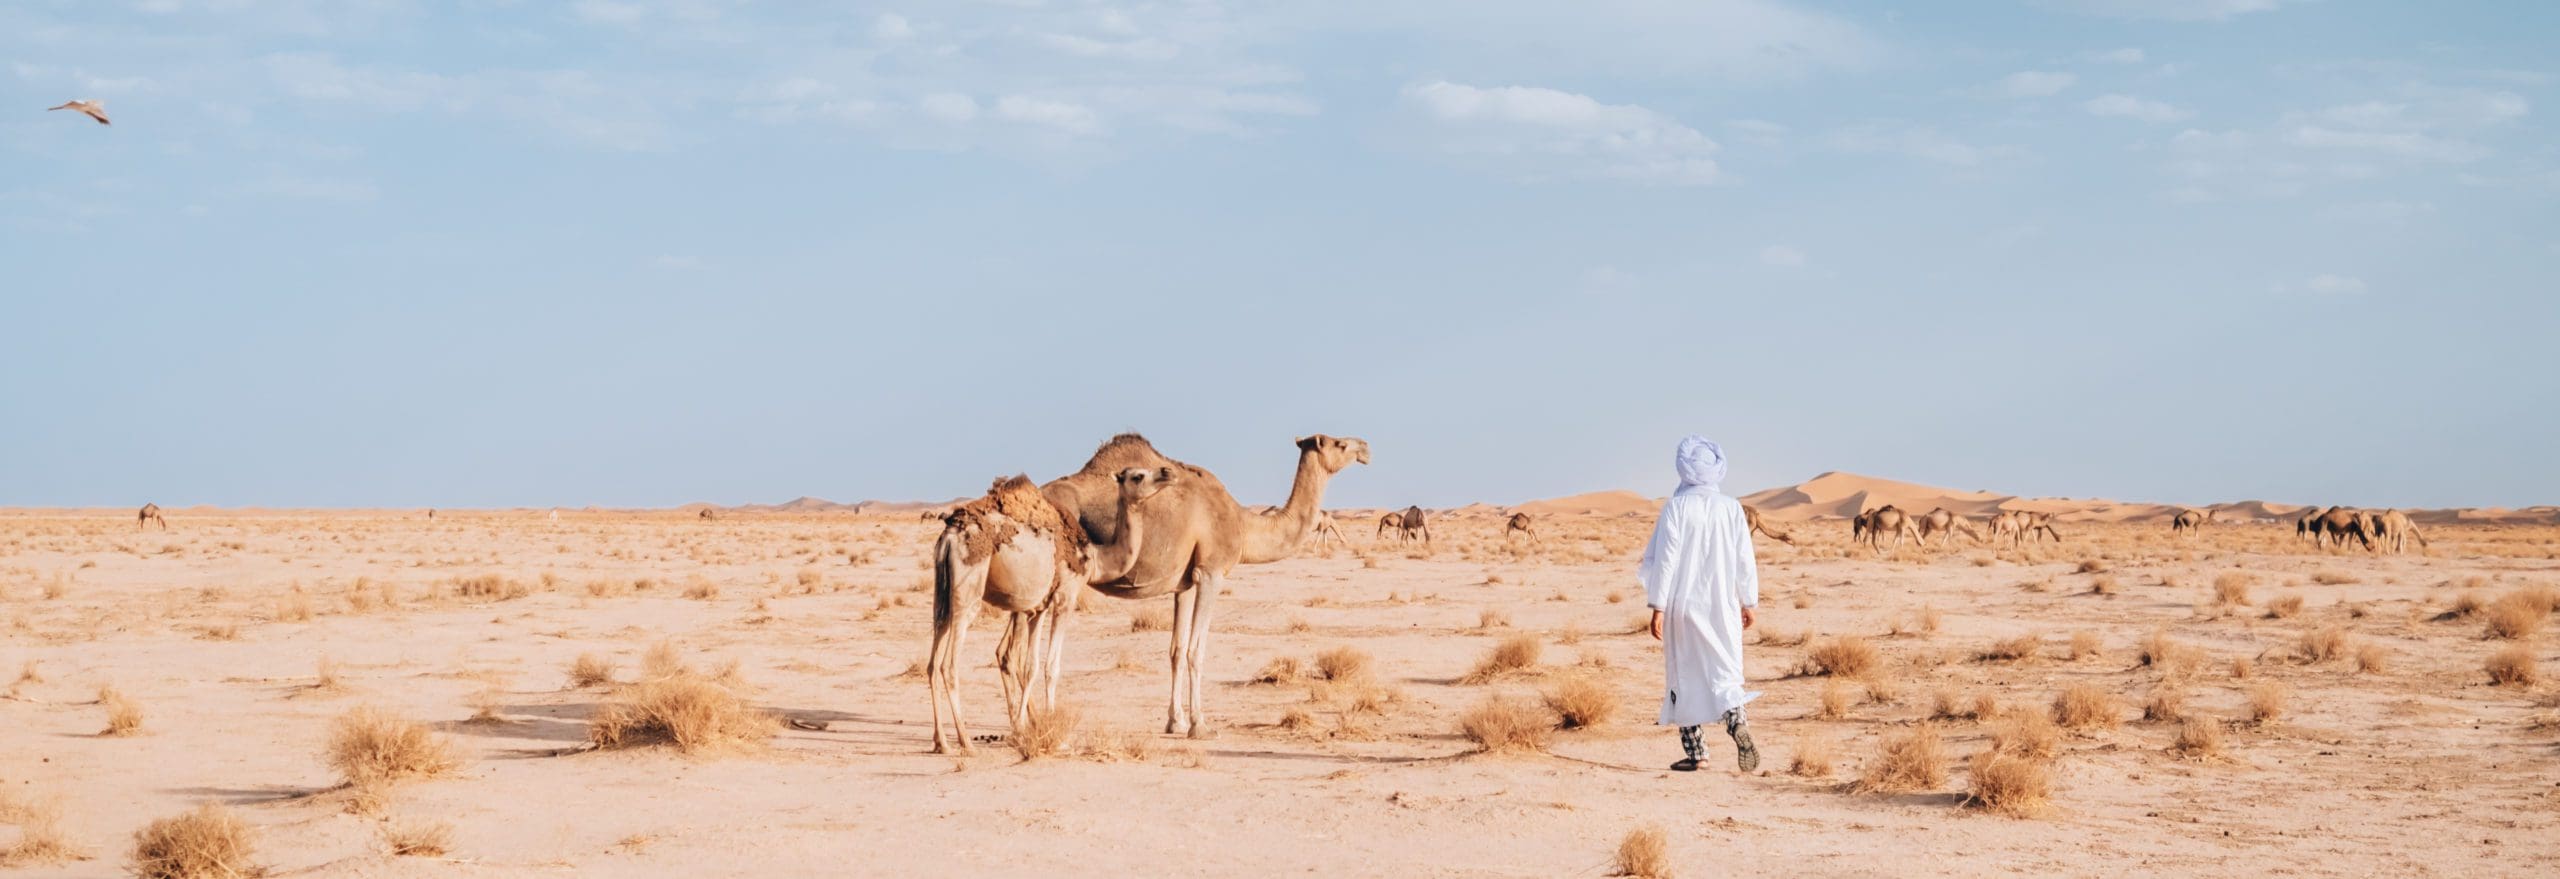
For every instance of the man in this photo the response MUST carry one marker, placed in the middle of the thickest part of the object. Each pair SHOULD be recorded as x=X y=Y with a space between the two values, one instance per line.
x=1702 y=582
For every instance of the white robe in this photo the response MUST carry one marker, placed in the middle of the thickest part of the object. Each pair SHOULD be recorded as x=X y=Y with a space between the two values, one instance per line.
x=1699 y=572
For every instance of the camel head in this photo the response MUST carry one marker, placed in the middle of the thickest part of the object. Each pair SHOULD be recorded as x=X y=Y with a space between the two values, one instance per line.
x=1140 y=483
x=1336 y=452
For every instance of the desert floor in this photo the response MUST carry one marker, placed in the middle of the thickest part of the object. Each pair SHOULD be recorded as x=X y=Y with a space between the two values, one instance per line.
x=220 y=630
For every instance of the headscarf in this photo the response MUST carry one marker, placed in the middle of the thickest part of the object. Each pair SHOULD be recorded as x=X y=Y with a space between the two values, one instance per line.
x=1701 y=465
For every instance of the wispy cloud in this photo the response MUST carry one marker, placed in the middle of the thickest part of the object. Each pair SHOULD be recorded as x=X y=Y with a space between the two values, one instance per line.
x=2130 y=107
x=2169 y=10
x=2033 y=84
x=1534 y=133
x=1915 y=141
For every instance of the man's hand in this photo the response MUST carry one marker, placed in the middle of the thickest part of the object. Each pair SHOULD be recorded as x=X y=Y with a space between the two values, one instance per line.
x=1656 y=627
x=1746 y=618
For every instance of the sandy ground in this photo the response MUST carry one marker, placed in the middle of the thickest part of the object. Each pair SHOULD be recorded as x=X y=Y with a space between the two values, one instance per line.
x=2422 y=768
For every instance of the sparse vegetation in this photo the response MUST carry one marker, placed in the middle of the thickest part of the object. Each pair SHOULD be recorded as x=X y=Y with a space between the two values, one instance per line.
x=124 y=716
x=2084 y=706
x=209 y=842
x=1816 y=755
x=1911 y=761
x=694 y=715
x=2513 y=666
x=1845 y=656
x=1580 y=702
x=1502 y=723
x=1645 y=854
x=1515 y=655
x=2010 y=784
x=590 y=670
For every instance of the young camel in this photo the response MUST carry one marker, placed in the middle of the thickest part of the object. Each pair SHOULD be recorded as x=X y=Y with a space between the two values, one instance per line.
x=1196 y=535
x=150 y=513
x=1014 y=550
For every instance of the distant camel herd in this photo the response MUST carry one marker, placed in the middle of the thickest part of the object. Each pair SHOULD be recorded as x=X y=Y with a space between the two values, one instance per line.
x=2384 y=531
x=1942 y=524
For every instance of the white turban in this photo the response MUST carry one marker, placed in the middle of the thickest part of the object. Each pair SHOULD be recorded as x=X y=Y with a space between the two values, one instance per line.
x=1701 y=464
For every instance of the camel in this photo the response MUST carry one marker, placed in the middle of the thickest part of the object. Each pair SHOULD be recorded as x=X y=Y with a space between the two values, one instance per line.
x=96 y=110
x=1015 y=550
x=2018 y=525
x=1406 y=524
x=2039 y=526
x=2189 y=521
x=706 y=514
x=1751 y=516
x=150 y=513
x=2336 y=524
x=1872 y=525
x=1521 y=524
x=2396 y=530
x=1326 y=530
x=1941 y=521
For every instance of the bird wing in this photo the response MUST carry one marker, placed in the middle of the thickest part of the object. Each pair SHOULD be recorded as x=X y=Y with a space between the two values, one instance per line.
x=97 y=113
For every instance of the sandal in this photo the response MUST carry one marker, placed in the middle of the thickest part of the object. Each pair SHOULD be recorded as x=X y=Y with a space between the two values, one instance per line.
x=1686 y=764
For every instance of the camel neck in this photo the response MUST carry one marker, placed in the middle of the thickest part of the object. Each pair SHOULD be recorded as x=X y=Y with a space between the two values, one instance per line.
x=1275 y=536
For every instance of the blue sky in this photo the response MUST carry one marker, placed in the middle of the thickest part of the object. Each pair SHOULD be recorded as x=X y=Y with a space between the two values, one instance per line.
x=645 y=252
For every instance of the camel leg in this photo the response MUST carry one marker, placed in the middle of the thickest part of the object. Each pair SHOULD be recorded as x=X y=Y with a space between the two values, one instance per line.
x=1176 y=721
x=1015 y=658
x=1199 y=635
x=957 y=590
x=1055 y=665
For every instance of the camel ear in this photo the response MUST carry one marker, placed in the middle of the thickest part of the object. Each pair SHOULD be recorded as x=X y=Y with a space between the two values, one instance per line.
x=1310 y=442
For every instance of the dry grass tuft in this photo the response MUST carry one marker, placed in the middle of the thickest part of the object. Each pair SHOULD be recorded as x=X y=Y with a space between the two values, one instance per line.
x=693 y=714
x=1345 y=665
x=2324 y=644
x=1518 y=654
x=1045 y=730
x=2266 y=702
x=1151 y=619
x=489 y=587
x=2466 y=604
x=1490 y=618
x=2084 y=706
x=418 y=839
x=1580 y=702
x=2103 y=584
x=2285 y=606
x=1912 y=761
x=590 y=670
x=40 y=836
x=1503 y=724
x=663 y=661
x=2010 y=784
x=369 y=746
x=2200 y=738
x=2086 y=645
x=1644 y=854
x=2231 y=588
x=1835 y=700
x=2513 y=619
x=2332 y=578
x=1816 y=754
x=207 y=843
x=1846 y=656
x=2371 y=659
x=2018 y=649
x=124 y=716
x=1281 y=670
x=2512 y=666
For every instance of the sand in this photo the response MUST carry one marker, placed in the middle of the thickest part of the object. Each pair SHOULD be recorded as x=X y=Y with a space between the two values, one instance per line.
x=2420 y=769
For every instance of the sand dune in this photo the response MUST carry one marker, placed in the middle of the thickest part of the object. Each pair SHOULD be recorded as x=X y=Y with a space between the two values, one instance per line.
x=1603 y=503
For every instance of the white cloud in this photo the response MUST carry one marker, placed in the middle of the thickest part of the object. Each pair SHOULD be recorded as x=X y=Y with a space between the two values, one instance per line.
x=1541 y=133
x=2131 y=107
x=2168 y=10
x=1918 y=142
x=2334 y=285
x=1782 y=256
x=1066 y=116
x=891 y=27
x=949 y=107
x=2033 y=84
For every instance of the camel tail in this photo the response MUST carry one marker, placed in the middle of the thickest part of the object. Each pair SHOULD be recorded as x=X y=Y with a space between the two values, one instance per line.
x=947 y=552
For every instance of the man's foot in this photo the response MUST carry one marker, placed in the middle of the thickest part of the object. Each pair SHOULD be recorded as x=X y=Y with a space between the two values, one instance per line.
x=1686 y=764
x=1745 y=753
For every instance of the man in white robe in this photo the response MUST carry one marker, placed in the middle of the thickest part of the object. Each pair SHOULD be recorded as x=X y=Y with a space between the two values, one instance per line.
x=1702 y=583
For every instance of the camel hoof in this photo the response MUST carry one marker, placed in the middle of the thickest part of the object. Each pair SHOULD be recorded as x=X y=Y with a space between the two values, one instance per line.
x=1201 y=731
x=810 y=725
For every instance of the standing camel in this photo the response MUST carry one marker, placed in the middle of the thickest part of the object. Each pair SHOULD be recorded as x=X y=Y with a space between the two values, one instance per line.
x=2396 y=530
x=1521 y=524
x=1941 y=521
x=1328 y=532
x=2039 y=526
x=1407 y=524
x=150 y=513
x=2336 y=524
x=1751 y=516
x=1014 y=550
x=1872 y=525
x=2189 y=521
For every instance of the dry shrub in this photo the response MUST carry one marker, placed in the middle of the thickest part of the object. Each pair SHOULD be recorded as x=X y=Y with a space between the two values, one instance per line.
x=489 y=587
x=1344 y=665
x=2231 y=588
x=1490 y=618
x=2027 y=734
x=2332 y=577
x=2512 y=619
x=2285 y=606
x=590 y=670
x=124 y=716
x=2084 y=706
x=2266 y=702
x=1505 y=724
x=1299 y=625
x=2102 y=584
x=2512 y=666
x=1151 y=619
x=1845 y=656
x=2542 y=599
x=2466 y=604
x=2240 y=668
x=1281 y=670
x=1134 y=747
x=2085 y=645
x=418 y=838
x=40 y=836
x=701 y=589
x=1044 y=730
x=1930 y=619
x=2023 y=647
x=2158 y=651
x=663 y=661
x=2372 y=659
x=1912 y=761
x=1815 y=755
x=1517 y=654
x=2166 y=703
x=1835 y=700
x=293 y=607
x=2324 y=644
x=1297 y=720
x=369 y=746
x=1581 y=703
x=1781 y=638
x=693 y=714
x=1644 y=854
x=2199 y=738
x=207 y=843
x=2092 y=566
x=2010 y=784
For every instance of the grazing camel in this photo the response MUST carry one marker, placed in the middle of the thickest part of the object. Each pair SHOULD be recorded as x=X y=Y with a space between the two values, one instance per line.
x=1521 y=524
x=150 y=513
x=1751 y=516
x=2189 y=521
x=706 y=514
x=1873 y=524
x=2040 y=526
x=2336 y=524
x=1016 y=551
x=2396 y=530
x=1406 y=523
x=1941 y=521
x=96 y=110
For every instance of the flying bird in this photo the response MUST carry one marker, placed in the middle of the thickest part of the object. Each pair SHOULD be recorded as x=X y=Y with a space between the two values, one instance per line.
x=95 y=110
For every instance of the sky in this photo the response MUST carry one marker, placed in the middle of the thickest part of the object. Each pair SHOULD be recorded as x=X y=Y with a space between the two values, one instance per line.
x=649 y=252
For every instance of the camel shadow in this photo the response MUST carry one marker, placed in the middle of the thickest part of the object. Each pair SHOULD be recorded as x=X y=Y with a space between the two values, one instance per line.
x=250 y=796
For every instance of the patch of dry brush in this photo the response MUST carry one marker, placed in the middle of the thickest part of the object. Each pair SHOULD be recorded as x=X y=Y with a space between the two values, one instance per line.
x=684 y=710
x=1913 y=761
x=208 y=843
